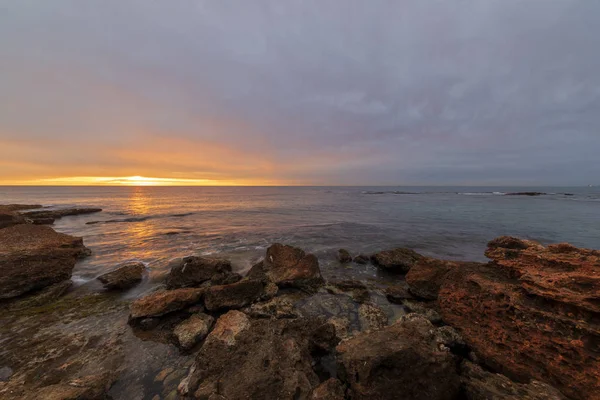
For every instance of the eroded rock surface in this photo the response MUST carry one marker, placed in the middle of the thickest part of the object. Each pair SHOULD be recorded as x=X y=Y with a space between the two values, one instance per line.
x=398 y=260
x=427 y=275
x=235 y=295
x=534 y=312
x=125 y=276
x=192 y=271
x=33 y=257
x=193 y=330
x=163 y=302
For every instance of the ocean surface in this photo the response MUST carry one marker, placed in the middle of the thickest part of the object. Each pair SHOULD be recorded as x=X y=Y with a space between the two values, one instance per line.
x=157 y=224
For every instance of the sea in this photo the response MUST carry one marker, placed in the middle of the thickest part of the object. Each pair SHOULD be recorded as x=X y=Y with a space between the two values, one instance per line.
x=157 y=224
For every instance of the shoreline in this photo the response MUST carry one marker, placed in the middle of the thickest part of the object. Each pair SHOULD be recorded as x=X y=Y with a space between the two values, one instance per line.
x=206 y=322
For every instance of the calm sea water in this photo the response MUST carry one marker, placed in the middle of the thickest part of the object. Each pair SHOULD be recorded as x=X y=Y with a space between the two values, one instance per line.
x=156 y=224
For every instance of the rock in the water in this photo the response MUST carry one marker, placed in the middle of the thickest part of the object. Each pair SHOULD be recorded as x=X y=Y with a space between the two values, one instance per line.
x=193 y=330
x=33 y=257
x=426 y=276
x=398 y=293
x=371 y=317
x=269 y=359
x=289 y=266
x=398 y=260
x=402 y=360
x=192 y=271
x=235 y=295
x=331 y=389
x=424 y=309
x=531 y=313
x=481 y=385
x=44 y=216
x=278 y=307
x=344 y=256
x=163 y=302
x=361 y=259
x=124 y=276
x=358 y=290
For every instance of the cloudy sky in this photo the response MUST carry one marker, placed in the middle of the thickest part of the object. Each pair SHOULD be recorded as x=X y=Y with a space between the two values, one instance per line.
x=301 y=91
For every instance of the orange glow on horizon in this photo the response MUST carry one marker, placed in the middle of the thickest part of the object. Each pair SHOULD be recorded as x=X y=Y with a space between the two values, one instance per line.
x=130 y=181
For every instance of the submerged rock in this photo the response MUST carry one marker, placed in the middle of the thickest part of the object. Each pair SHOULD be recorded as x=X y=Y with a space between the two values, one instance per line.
x=398 y=293
x=404 y=359
x=344 y=256
x=482 y=385
x=235 y=295
x=531 y=313
x=124 y=276
x=33 y=257
x=362 y=259
x=371 y=317
x=192 y=271
x=398 y=260
x=289 y=266
x=163 y=302
x=426 y=276
x=193 y=330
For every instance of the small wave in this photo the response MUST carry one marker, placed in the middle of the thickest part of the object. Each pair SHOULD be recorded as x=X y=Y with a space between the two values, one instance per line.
x=182 y=214
x=389 y=192
x=110 y=221
x=482 y=193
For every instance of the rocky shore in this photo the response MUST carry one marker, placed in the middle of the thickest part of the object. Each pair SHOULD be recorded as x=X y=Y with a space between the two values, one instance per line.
x=525 y=325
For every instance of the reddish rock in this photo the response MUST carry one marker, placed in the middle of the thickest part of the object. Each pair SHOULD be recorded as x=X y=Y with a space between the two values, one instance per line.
x=406 y=360
x=533 y=313
x=426 y=276
x=331 y=389
x=125 y=276
x=235 y=295
x=289 y=266
x=163 y=302
x=192 y=271
x=398 y=260
x=33 y=257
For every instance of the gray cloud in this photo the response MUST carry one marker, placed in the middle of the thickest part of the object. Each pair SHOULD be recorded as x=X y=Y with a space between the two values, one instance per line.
x=323 y=92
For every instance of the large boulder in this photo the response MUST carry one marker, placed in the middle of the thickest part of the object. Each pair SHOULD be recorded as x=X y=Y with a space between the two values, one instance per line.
x=427 y=275
x=268 y=359
x=234 y=295
x=289 y=266
x=33 y=257
x=533 y=313
x=192 y=271
x=482 y=385
x=399 y=260
x=163 y=302
x=407 y=359
x=125 y=276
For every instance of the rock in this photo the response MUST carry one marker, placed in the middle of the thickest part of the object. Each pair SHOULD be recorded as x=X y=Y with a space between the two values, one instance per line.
x=398 y=293
x=124 y=276
x=403 y=359
x=225 y=278
x=371 y=317
x=235 y=295
x=525 y=194
x=42 y=216
x=344 y=256
x=361 y=259
x=423 y=309
x=331 y=389
x=426 y=276
x=275 y=308
x=10 y=218
x=192 y=271
x=358 y=290
x=341 y=325
x=42 y=221
x=481 y=385
x=43 y=296
x=228 y=327
x=7 y=208
x=163 y=302
x=532 y=313
x=5 y=373
x=33 y=257
x=193 y=330
x=93 y=387
x=269 y=359
x=398 y=260
x=289 y=266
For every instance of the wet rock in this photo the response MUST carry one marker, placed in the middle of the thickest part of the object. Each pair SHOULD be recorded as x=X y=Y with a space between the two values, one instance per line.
x=41 y=217
x=357 y=289
x=33 y=257
x=163 y=302
x=526 y=194
x=5 y=373
x=10 y=218
x=531 y=314
x=125 y=276
x=343 y=256
x=269 y=359
x=341 y=325
x=43 y=296
x=331 y=389
x=193 y=330
x=235 y=295
x=289 y=266
x=228 y=327
x=276 y=308
x=362 y=259
x=426 y=276
x=225 y=278
x=482 y=385
x=398 y=260
x=371 y=317
x=398 y=293
x=93 y=387
x=192 y=271
x=147 y=324
x=403 y=359
x=423 y=309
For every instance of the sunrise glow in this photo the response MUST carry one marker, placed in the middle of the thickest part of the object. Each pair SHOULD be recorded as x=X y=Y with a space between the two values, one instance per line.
x=127 y=181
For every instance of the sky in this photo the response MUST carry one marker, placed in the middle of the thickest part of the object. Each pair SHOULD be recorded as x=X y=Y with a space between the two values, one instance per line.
x=300 y=92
